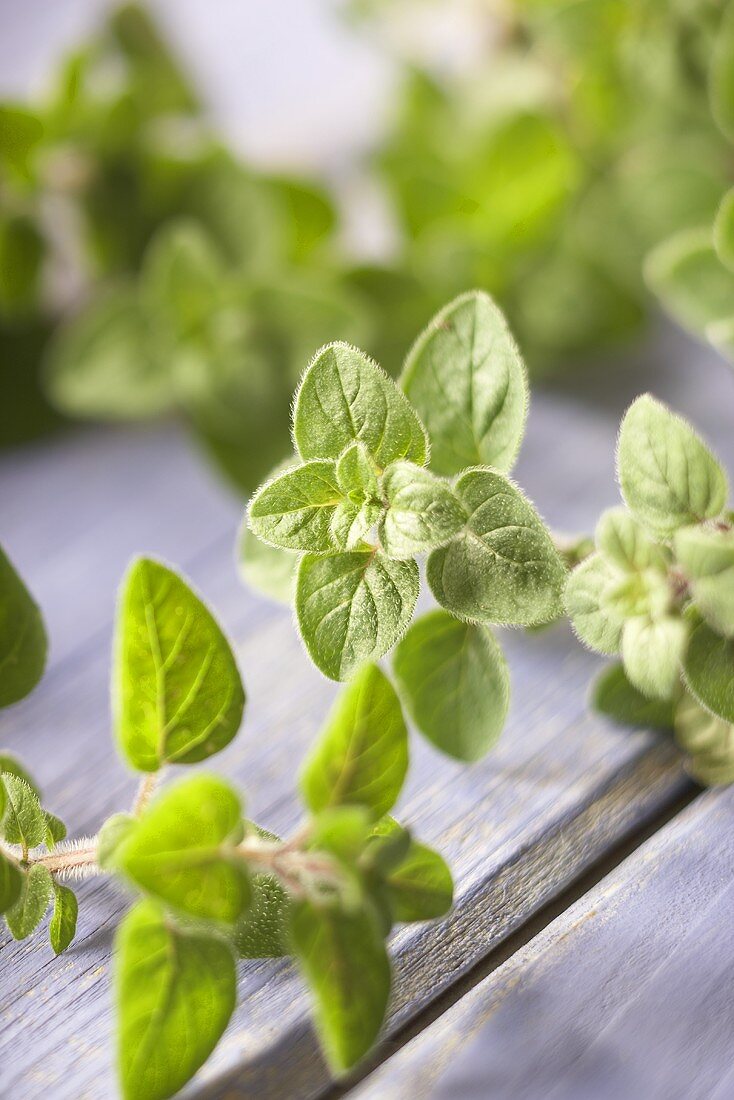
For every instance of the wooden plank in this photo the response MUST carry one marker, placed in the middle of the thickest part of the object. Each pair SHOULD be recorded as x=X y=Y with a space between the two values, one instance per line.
x=559 y=791
x=628 y=993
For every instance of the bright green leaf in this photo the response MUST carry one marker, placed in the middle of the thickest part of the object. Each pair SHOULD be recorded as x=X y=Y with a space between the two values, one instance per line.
x=422 y=511
x=361 y=756
x=22 y=637
x=454 y=680
x=178 y=693
x=11 y=881
x=175 y=992
x=504 y=567
x=294 y=511
x=24 y=821
x=11 y=764
x=114 y=830
x=62 y=928
x=28 y=910
x=466 y=378
x=353 y=607
x=357 y=475
x=420 y=886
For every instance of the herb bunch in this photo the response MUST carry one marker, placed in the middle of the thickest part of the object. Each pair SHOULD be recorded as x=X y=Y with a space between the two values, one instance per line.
x=213 y=886
x=386 y=474
x=658 y=591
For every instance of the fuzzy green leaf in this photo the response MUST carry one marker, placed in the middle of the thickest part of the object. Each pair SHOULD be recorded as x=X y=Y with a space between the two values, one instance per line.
x=454 y=680
x=11 y=881
x=422 y=511
x=504 y=567
x=357 y=475
x=652 y=652
x=294 y=511
x=11 y=764
x=466 y=378
x=270 y=571
x=22 y=637
x=62 y=928
x=28 y=910
x=182 y=850
x=624 y=543
x=345 y=397
x=709 y=670
x=669 y=478
x=361 y=756
x=175 y=992
x=178 y=693
x=614 y=696
x=690 y=279
x=353 y=607
x=706 y=556
x=24 y=821
x=344 y=961
x=55 y=830
x=597 y=624
x=351 y=524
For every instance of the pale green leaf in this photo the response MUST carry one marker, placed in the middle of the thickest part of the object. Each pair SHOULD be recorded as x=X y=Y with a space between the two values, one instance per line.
x=182 y=850
x=344 y=961
x=361 y=756
x=690 y=279
x=177 y=690
x=454 y=680
x=182 y=276
x=669 y=477
x=706 y=556
x=28 y=910
x=598 y=625
x=422 y=511
x=466 y=378
x=624 y=543
x=353 y=607
x=175 y=992
x=62 y=928
x=357 y=474
x=270 y=571
x=294 y=511
x=503 y=568
x=709 y=670
x=652 y=652
x=22 y=637
x=614 y=696
x=345 y=397
x=114 y=830
x=352 y=523
x=708 y=740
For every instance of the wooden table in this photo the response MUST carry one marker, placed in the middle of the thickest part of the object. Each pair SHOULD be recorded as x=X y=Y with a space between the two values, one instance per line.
x=628 y=992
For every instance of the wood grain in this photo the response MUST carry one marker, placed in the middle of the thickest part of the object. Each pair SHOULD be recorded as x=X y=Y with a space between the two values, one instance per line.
x=561 y=788
x=628 y=993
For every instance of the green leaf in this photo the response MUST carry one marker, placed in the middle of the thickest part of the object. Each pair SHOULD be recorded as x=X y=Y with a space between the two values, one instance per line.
x=351 y=524
x=344 y=397
x=690 y=279
x=652 y=653
x=109 y=362
x=709 y=670
x=22 y=251
x=28 y=910
x=353 y=607
x=466 y=378
x=178 y=693
x=55 y=830
x=182 y=850
x=175 y=993
x=341 y=830
x=597 y=624
x=724 y=232
x=62 y=928
x=361 y=756
x=504 y=567
x=344 y=961
x=20 y=133
x=709 y=742
x=357 y=475
x=270 y=571
x=113 y=832
x=721 y=74
x=182 y=277
x=614 y=696
x=454 y=680
x=262 y=932
x=624 y=543
x=706 y=556
x=420 y=887
x=294 y=511
x=24 y=821
x=669 y=478
x=422 y=511
x=11 y=881
x=647 y=592
x=22 y=637
x=10 y=764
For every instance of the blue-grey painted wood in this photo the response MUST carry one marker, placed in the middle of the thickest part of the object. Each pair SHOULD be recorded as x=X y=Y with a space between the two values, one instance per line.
x=627 y=994
x=561 y=788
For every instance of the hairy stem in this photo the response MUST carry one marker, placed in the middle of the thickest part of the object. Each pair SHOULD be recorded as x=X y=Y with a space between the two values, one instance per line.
x=146 y=790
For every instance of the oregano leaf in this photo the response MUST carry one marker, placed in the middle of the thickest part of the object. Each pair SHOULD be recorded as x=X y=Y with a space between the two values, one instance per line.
x=343 y=959
x=55 y=830
x=11 y=764
x=454 y=680
x=62 y=927
x=353 y=607
x=467 y=380
x=420 y=886
x=422 y=511
x=724 y=230
x=177 y=690
x=706 y=556
x=690 y=279
x=24 y=821
x=114 y=830
x=721 y=75
x=175 y=993
x=669 y=478
x=357 y=475
x=625 y=544
x=361 y=756
x=708 y=740
x=709 y=669
x=11 y=881
x=270 y=571
x=597 y=624
x=503 y=568
x=182 y=850
x=294 y=511
x=27 y=912
x=22 y=637
x=351 y=524
x=652 y=653
x=344 y=397
x=617 y=698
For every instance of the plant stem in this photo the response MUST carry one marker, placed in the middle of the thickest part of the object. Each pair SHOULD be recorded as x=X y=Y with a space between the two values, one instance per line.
x=146 y=790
